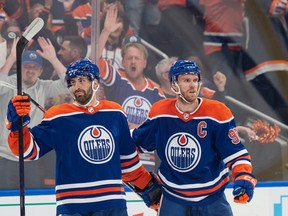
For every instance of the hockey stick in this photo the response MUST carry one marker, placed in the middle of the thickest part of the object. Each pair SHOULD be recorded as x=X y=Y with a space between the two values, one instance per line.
x=8 y=85
x=34 y=27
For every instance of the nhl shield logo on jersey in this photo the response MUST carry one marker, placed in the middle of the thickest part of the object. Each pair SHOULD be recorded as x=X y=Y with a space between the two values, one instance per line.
x=183 y=152
x=96 y=144
x=136 y=108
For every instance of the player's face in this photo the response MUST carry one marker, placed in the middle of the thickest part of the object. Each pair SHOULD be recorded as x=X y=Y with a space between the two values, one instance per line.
x=189 y=85
x=134 y=63
x=30 y=73
x=81 y=89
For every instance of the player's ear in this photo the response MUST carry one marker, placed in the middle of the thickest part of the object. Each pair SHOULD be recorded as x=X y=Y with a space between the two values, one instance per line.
x=173 y=86
x=95 y=84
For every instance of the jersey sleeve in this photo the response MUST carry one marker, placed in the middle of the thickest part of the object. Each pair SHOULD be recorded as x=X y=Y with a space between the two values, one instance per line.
x=144 y=136
x=32 y=150
x=132 y=169
x=232 y=151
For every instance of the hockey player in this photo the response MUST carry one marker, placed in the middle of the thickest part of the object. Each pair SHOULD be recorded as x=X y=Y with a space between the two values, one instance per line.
x=94 y=149
x=198 y=145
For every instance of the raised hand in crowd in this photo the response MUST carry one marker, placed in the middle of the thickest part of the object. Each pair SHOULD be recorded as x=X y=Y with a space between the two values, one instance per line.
x=11 y=59
x=110 y=25
x=278 y=8
x=219 y=80
x=48 y=52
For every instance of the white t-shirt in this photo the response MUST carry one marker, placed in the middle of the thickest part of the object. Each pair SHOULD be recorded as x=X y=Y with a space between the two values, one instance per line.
x=3 y=53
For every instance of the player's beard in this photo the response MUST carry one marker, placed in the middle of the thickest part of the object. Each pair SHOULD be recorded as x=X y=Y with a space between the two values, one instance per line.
x=83 y=98
x=190 y=97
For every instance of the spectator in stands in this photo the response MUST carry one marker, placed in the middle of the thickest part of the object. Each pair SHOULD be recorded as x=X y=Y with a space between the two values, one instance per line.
x=20 y=9
x=17 y=10
x=161 y=70
x=265 y=61
x=128 y=86
x=72 y=48
x=39 y=10
x=179 y=32
x=10 y=30
x=113 y=46
x=69 y=27
x=61 y=12
x=3 y=53
x=223 y=43
x=141 y=12
x=3 y=16
x=83 y=14
x=11 y=25
x=39 y=90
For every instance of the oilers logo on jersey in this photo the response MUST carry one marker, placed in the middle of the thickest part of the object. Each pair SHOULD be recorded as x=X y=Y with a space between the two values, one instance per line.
x=96 y=144
x=136 y=108
x=183 y=152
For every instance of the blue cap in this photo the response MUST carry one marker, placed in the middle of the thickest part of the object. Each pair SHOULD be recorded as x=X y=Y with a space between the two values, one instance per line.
x=131 y=39
x=32 y=57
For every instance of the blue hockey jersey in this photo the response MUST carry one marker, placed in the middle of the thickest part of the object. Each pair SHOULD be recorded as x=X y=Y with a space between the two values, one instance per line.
x=118 y=88
x=94 y=150
x=196 y=149
x=135 y=102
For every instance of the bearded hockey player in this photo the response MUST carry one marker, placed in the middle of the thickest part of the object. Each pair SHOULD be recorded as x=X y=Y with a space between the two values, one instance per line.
x=94 y=149
x=198 y=146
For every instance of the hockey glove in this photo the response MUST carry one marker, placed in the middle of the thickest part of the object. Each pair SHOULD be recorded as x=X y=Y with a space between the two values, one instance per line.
x=18 y=106
x=243 y=188
x=151 y=194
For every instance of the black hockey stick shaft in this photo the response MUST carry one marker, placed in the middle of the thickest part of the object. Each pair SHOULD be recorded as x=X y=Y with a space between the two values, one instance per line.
x=29 y=33
x=20 y=47
x=35 y=103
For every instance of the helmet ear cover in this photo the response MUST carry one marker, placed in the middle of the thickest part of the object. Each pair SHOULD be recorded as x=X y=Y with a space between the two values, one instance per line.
x=183 y=67
x=82 y=68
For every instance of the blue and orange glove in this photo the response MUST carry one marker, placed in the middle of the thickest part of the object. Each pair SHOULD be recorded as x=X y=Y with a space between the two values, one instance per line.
x=151 y=194
x=18 y=106
x=243 y=188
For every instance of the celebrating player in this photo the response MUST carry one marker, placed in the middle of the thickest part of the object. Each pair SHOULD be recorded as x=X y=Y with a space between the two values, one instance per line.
x=197 y=144
x=93 y=147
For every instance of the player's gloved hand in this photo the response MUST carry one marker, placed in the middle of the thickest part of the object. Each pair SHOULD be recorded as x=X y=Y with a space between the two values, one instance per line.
x=243 y=188
x=278 y=8
x=151 y=194
x=18 y=106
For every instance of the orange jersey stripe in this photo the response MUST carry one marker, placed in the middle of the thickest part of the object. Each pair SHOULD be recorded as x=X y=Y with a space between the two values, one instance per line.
x=207 y=191
x=248 y=157
x=89 y=192
x=34 y=153
x=128 y=163
x=266 y=63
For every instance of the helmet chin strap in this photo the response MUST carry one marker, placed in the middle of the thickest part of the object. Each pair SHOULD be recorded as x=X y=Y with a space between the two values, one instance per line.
x=93 y=95
x=178 y=92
